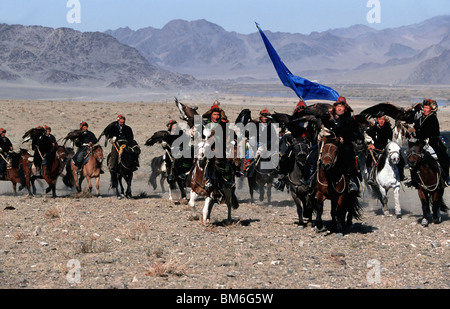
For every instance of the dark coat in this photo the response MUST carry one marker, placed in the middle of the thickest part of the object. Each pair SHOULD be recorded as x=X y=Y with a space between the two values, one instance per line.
x=380 y=135
x=427 y=127
x=345 y=126
x=121 y=132
x=85 y=138
x=5 y=144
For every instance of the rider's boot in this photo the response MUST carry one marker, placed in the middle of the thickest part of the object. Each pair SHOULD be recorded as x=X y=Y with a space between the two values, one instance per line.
x=281 y=183
x=353 y=184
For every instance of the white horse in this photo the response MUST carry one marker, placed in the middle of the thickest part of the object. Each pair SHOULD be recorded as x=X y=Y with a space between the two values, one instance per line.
x=387 y=176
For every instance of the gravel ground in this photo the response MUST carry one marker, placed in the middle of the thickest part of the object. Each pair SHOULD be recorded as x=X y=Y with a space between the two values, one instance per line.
x=82 y=242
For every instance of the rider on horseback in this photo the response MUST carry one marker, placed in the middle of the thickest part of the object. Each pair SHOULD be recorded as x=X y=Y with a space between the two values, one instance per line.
x=302 y=130
x=5 y=147
x=378 y=137
x=48 y=133
x=83 y=142
x=215 y=120
x=119 y=134
x=426 y=128
x=346 y=129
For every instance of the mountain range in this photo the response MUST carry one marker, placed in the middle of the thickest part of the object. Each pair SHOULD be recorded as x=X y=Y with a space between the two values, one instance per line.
x=414 y=54
x=68 y=57
x=187 y=55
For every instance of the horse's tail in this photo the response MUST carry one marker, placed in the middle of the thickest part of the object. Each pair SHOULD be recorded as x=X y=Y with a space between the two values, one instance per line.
x=68 y=177
x=354 y=208
x=155 y=165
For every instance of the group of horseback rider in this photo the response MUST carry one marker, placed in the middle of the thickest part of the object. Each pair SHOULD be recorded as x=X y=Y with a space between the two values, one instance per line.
x=118 y=133
x=343 y=125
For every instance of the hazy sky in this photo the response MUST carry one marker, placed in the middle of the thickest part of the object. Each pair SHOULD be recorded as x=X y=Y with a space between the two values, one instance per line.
x=296 y=16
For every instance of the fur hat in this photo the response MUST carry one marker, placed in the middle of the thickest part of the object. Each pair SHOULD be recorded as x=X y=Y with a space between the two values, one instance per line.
x=83 y=123
x=121 y=117
x=2 y=130
x=342 y=101
x=300 y=103
x=432 y=103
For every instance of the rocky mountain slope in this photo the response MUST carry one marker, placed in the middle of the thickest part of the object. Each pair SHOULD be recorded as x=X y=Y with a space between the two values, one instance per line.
x=69 y=57
x=356 y=53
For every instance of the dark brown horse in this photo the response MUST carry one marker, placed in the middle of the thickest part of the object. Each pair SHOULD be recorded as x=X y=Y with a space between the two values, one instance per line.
x=332 y=184
x=56 y=160
x=18 y=171
x=431 y=185
x=91 y=169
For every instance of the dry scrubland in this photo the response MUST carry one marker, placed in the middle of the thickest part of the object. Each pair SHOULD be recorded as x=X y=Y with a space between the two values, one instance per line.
x=151 y=242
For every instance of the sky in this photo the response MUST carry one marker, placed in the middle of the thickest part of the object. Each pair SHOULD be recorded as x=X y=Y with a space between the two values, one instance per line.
x=294 y=16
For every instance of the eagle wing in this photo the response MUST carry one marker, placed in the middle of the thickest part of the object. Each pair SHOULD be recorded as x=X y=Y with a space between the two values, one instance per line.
x=396 y=112
x=33 y=133
x=244 y=117
x=187 y=113
x=161 y=136
x=73 y=135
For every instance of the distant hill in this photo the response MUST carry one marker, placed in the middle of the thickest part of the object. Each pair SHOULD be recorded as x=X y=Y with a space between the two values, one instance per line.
x=69 y=57
x=357 y=53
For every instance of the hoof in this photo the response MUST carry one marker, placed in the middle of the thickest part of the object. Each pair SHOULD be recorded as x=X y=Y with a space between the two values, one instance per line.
x=339 y=235
x=320 y=230
x=424 y=222
x=437 y=220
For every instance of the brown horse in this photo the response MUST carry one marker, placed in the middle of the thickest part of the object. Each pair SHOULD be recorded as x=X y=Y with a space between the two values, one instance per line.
x=91 y=169
x=18 y=171
x=333 y=185
x=431 y=186
x=56 y=160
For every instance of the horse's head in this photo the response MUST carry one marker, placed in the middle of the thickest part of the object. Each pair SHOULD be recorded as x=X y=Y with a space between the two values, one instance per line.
x=329 y=153
x=415 y=154
x=130 y=156
x=61 y=157
x=301 y=151
x=393 y=152
x=97 y=152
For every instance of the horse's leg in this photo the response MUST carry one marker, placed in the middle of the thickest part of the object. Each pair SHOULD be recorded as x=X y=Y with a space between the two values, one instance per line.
x=228 y=197
x=129 y=179
x=340 y=209
x=384 y=200
x=269 y=192
x=209 y=203
x=182 y=188
x=261 y=191
x=192 y=199
x=425 y=200
x=97 y=185
x=88 y=179
x=298 y=204
x=14 y=186
x=437 y=202
x=251 y=186
x=319 y=211
x=334 y=216
x=398 y=209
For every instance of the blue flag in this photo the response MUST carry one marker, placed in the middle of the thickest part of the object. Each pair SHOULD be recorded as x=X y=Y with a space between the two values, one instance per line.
x=304 y=88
